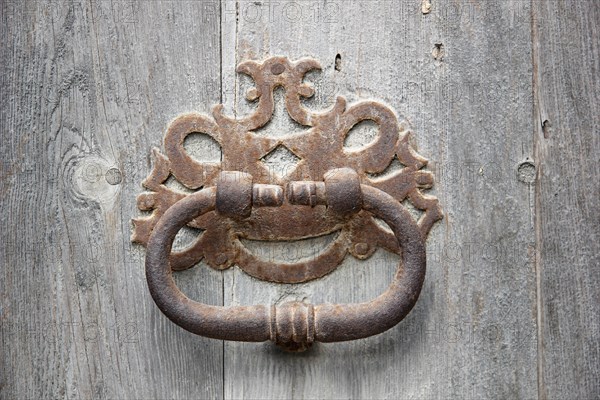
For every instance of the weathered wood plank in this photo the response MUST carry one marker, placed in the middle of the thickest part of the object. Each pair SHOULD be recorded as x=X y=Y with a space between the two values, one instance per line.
x=567 y=82
x=87 y=87
x=461 y=74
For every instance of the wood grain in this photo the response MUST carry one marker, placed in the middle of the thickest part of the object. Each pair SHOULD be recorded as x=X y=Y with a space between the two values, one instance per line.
x=462 y=78
x=87 y=87
x=503 y=99
x=567 y=138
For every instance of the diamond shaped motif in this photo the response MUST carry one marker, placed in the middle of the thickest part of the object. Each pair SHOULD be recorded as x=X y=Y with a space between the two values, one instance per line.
x=281 y=162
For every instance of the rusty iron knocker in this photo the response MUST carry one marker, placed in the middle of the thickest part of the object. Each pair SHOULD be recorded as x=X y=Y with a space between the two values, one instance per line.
x=342 y=189
x=293 y=325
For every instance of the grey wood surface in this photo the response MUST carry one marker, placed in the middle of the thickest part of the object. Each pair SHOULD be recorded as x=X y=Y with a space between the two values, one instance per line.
x=567 y=151
x=473 y=332
x=502 y=97
x=87 y=87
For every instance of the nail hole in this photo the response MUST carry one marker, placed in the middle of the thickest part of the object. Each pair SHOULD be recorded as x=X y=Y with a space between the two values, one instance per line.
x=338 y=62
x=546 y=128
x=438 y=51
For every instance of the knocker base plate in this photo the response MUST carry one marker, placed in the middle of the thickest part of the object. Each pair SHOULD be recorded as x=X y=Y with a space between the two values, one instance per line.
x=320 y=148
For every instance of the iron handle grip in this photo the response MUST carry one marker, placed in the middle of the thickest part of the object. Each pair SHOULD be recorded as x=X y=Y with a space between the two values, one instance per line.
x=294 y=325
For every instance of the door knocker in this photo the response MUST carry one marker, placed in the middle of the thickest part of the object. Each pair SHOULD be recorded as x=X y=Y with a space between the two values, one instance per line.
x=330 y=190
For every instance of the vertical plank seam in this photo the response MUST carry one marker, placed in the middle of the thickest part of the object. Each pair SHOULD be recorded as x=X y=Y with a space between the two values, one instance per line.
x=537 y=123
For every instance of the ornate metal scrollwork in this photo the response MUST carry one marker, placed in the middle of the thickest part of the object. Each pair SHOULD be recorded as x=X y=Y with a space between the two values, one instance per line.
x=319 y=149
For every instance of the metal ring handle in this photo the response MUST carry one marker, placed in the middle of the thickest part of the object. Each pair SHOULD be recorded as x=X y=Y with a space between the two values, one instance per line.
x=293 y=325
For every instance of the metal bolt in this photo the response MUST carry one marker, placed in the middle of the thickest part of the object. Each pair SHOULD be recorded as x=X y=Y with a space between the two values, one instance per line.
x=221 y=259
x=113 y=176
x=361 y=248
x=277 y=69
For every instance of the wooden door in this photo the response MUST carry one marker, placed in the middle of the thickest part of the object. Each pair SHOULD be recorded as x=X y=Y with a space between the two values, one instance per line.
x=503 y=97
